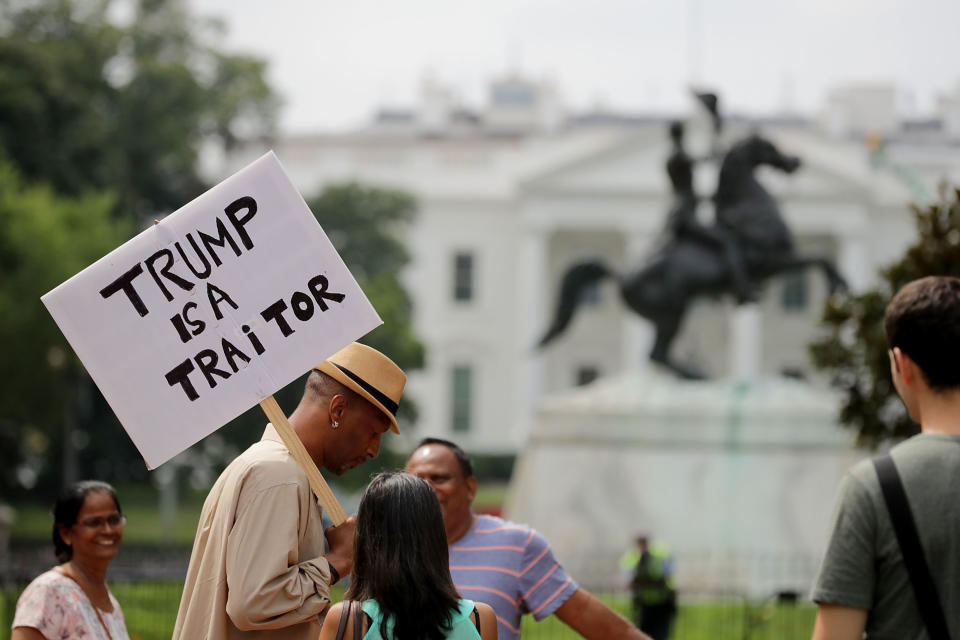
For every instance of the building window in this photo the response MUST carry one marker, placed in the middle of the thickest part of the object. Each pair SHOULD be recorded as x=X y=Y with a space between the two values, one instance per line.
x=794 y=293
x=461 y=380
x=586 y=374
x=463 y=277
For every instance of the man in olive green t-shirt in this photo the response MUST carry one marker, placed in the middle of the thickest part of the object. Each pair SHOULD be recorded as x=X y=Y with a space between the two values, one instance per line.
x=863 y=584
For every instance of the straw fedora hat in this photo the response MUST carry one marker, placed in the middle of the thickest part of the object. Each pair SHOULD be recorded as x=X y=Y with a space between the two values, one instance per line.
x=371 y=374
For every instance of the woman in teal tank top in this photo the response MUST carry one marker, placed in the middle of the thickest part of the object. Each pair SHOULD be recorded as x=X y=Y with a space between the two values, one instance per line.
x=401 y=587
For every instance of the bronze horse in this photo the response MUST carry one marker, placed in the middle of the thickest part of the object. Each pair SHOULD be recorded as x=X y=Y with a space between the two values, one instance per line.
x=662 y=289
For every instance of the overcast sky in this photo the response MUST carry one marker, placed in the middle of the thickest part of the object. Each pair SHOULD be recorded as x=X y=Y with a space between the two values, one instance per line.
x=335 y=62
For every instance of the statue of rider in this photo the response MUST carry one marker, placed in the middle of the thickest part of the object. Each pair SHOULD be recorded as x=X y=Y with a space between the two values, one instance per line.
x=682 y=220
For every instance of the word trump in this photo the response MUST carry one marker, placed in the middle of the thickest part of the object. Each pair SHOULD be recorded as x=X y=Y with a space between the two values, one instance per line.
x=163 y=275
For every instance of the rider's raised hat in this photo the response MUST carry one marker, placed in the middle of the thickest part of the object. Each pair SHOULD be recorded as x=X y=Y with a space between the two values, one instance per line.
x=369 y=373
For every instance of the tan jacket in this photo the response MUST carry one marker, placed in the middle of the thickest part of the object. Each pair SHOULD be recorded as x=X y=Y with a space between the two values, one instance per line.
x=257 y=568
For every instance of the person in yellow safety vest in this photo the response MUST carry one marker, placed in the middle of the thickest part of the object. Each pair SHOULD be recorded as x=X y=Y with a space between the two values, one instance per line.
x=650 y=567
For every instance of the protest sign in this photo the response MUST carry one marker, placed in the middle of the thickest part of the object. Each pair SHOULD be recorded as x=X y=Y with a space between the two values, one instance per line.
x=211 y=310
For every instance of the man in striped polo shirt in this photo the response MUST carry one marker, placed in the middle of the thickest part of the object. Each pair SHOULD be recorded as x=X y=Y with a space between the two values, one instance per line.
x=507 y=565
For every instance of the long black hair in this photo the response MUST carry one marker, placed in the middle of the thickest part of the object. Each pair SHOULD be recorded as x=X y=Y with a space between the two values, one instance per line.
x=67 y=508
x=401 y=558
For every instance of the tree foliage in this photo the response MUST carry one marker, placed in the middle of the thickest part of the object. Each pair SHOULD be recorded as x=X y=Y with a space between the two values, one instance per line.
x=854 y=349
x=88 y=103
x=44 y=239
x=104 y=107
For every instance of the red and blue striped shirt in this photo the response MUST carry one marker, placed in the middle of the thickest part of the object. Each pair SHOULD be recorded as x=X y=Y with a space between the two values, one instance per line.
x=510 y=567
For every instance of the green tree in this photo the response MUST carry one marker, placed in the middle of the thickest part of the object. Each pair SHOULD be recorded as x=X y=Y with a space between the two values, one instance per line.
x=89 y=103
x=117 y=109
x=853 y=350
x=44 y=239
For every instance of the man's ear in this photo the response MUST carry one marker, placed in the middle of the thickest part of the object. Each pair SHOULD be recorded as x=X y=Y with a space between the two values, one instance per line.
x=335 y=407
x=471 y=487
x=905 y=366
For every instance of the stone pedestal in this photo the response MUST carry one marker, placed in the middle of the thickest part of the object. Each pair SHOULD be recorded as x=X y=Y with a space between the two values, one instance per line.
x=738 y=478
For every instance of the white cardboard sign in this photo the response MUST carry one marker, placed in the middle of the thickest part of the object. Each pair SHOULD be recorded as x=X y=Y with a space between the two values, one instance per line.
x=205 y=314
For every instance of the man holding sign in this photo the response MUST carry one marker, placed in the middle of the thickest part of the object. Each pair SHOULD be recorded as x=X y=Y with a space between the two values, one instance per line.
x=258 y=565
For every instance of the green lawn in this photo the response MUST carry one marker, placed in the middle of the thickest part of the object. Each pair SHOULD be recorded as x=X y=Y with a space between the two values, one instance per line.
x=731 y=620
x=151 y=608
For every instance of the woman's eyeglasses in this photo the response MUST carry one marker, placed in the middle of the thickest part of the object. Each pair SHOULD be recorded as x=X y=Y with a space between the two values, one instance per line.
x=114 y=520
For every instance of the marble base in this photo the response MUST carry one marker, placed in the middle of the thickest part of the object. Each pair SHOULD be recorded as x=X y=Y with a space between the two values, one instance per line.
x=737 y=477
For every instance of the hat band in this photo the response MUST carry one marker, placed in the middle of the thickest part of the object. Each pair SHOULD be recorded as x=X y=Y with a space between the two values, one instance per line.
x=387 y=403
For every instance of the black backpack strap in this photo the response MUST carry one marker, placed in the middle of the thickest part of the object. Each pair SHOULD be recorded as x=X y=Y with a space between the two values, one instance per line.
x=906 y=530
x=476 y=618
x=344 y=614
x=357 y=621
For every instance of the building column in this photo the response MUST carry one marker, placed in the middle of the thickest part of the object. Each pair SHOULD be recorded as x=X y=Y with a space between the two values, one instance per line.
x=533 y=316
x=745 y=342
x=638 y=333
x=853 y=264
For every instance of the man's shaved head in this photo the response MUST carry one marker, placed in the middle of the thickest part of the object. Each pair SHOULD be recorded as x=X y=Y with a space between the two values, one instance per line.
x=321 y=387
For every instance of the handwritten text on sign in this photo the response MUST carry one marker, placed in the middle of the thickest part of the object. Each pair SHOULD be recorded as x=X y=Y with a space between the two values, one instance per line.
x=220 y=305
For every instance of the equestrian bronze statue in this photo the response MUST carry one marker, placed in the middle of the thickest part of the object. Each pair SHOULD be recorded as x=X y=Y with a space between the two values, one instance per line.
x=748 y=243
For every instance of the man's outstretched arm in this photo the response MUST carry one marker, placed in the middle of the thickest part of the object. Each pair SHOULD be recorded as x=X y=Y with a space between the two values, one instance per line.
x=835 y=622
x=592 y=619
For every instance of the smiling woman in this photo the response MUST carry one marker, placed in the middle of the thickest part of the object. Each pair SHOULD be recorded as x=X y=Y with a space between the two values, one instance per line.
x=72 y=600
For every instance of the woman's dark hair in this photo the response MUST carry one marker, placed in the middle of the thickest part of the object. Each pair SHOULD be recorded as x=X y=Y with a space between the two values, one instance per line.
x=67 y=508
x=401 y=558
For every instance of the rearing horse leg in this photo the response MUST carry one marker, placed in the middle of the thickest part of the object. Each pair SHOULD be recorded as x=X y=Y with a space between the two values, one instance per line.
x=667 y=325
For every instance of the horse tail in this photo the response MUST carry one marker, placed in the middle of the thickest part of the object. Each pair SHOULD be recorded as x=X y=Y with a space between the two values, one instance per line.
x=575 y=281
